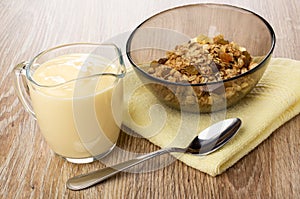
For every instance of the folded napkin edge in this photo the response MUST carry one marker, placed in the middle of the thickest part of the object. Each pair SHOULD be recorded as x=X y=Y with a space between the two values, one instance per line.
x=226 y=163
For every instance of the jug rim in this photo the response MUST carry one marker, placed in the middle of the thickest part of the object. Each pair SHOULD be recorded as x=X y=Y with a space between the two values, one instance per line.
x=30 y=63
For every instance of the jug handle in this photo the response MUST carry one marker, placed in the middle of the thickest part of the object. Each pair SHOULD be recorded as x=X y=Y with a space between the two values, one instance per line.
x=21 y=87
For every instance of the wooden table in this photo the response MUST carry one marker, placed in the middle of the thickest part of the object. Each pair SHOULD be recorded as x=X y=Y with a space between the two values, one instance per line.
x=28 y=168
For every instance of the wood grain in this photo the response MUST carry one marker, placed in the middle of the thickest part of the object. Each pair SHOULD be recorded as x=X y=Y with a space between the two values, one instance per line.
x=28 y=168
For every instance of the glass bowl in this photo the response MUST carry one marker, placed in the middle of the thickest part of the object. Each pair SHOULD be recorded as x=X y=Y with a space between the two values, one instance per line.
x=165 y=30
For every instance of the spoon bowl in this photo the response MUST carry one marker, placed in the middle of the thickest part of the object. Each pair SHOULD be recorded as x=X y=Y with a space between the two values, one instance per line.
x=214 y=137
x=206 y=142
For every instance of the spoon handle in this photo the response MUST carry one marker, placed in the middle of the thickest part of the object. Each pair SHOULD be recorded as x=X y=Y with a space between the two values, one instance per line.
x=92 y=178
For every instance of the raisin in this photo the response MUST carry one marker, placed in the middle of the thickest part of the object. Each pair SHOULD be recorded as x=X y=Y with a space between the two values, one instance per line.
x=162 y=60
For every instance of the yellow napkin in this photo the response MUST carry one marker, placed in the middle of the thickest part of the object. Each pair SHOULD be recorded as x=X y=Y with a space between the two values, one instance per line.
x=274 y=100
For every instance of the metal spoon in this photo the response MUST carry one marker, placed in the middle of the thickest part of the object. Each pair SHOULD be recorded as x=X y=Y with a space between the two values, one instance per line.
x=206 y=142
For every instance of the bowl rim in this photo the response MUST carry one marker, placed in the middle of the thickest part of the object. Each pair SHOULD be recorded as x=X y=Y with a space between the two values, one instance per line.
x=260 y=64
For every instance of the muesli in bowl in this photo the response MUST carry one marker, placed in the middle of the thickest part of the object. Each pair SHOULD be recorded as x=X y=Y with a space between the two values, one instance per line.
x=200 y=61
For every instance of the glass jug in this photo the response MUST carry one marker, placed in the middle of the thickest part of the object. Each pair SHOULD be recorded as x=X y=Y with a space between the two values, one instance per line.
x=75 y=92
